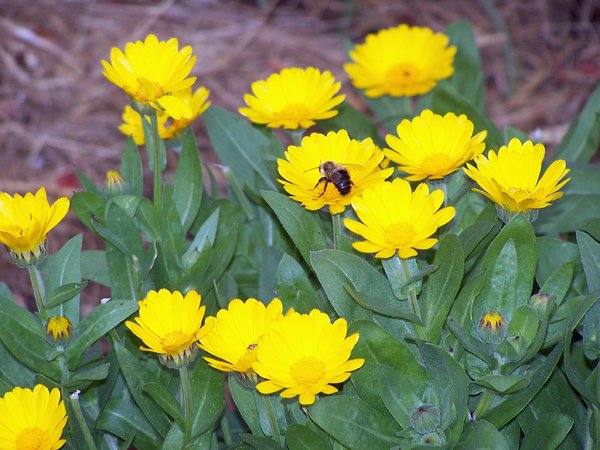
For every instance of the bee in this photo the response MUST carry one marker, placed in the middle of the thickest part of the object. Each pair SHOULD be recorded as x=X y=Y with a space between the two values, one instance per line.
x=336 y=174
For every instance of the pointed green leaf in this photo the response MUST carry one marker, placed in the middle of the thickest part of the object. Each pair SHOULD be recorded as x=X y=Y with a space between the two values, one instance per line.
x=481 y=435
x=165 y=400
x=64 y=293
x=548 y=432
x=187 y=193
x=299 y=437
x=294 y=286
x=207 y=397
x=131 y=168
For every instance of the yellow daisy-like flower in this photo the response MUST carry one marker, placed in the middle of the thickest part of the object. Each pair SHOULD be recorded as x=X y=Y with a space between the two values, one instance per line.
x=293 y=98
x=305 y=354
x=25 y=222
x=198 y=103
x=59 y=328
x=395 y=219
x=32 y=419
x=511 y=178
x=330 y=170
x=132 y=125
x=169 y=324
x=236 y=331
x=151 y=71
x=401 y=61
x=431 y=146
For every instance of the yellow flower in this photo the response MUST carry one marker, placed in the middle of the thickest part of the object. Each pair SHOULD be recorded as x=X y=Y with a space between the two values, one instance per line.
x=151 y=71
x=25 y=222
x=59 y=328
x=132 y=125
x=293 y=98
x=330 y=170
x=32 y=420
x=401 y=61
x=492 y=328
x=431 y=146
x=511 y=178
x=169 y=324
x=305 y=354
x=236 y=331
x=395 y=219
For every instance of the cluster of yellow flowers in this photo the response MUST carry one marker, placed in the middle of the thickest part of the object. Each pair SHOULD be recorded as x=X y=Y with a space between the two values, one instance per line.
x=285 y=350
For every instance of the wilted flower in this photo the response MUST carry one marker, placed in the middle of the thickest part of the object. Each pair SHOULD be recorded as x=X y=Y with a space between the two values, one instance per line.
x=401 y=61
x=169 y=324
x=151 y=71
x=234 y=335
x=292 y=356
x=24 y=223
x=433 y=146
x=330 y=170
x=511 y=178
x=396 y=219
x=293 y=98
x=32 y=419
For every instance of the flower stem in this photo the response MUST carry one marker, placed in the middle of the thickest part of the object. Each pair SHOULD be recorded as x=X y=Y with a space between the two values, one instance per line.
x=186 y=399
x=412 y=297
x=157 y=170
x=38 y=287
x=338 y=230
x=272 y=419
x=81 y=421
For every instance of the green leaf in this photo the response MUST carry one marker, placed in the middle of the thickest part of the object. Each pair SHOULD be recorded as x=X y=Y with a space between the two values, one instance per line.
x=301 y=225
x=503 y=384
x=299 y=437
x=378 y=348
x=90 y=372
x=472 y=345
x=13 y=371
x=548 y=432
x=590 y=258
x=239 y=146
x=468 y=75
x=359 y=125
x=525 y=324
x=208 y=397
x=400 y=393
x=149 y=138
x=87 y=184
x=353 y=423
x=94 y=267
x=243 y=398
x=64 y=293
x=376 y=305
x=481 y=435
x=96 y=324
x=481 y=232
x=581 y=141
x=163 y=398
x=294 y=286
x=131 y=168
x=187 y=193
x=442 y=286
x=149 y=220
x=259 y=442
x=558 y=284
x=205 y=237
x=87 y=205
x=390 y=110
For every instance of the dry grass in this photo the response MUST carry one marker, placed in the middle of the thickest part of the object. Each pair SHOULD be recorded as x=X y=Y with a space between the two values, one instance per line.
x=58 y=113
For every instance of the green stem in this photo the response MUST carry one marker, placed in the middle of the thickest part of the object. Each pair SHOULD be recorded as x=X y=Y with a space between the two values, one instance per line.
x=483 y=405
x=157 y=192
x=338 y=229
x=38 y=287
x=186 y=399
x=412 y=297
x=81 y=421
x=272 y=418
x=226 y=430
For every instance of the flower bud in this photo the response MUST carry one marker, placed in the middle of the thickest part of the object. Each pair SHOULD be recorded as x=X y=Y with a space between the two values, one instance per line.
x=425 y=418
x=59 y=329
x=492 y=328
x=115 y=184
x=435 y=438
x=539 y=302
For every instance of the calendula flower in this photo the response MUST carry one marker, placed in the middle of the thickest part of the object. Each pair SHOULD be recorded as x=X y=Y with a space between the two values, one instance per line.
x=132 y=125
x=401 y=61
x=24 y=223
x=169 y=325
x=492 y=327
x=396 y=219
x=32 y=419
x=305 y=354
x=198 y=103
x=151 y=71
x=234 y=334
x=511 y=178
x=59 y=328
x=431 y=146
x=293 y=98
x=330 y=170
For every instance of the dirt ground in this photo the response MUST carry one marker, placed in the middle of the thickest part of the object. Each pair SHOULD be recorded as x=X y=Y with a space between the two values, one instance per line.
x=58 y=113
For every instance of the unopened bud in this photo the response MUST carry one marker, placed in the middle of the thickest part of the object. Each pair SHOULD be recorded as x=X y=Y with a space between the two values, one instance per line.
x=114 y=183
x=492 y=328
x=539 y=302
x=425 y=418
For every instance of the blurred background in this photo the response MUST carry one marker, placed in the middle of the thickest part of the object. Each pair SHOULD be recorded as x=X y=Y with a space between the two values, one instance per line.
x=58 y=113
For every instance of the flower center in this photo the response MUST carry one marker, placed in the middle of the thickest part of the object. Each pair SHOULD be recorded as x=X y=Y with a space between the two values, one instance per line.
x=436 y=164
x=295 y=111
x=399 y=235
x=31 y=438
x=307 y=370
x=175 y=342
x=402 y=74
x=148 y=90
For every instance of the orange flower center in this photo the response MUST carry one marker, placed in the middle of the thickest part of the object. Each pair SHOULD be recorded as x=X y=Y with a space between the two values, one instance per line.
x=31 y=438
x=175 y=342
x=399 y=235
x=436 y=164
x=403 y=74
x=307 y=370
x=295 y=112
